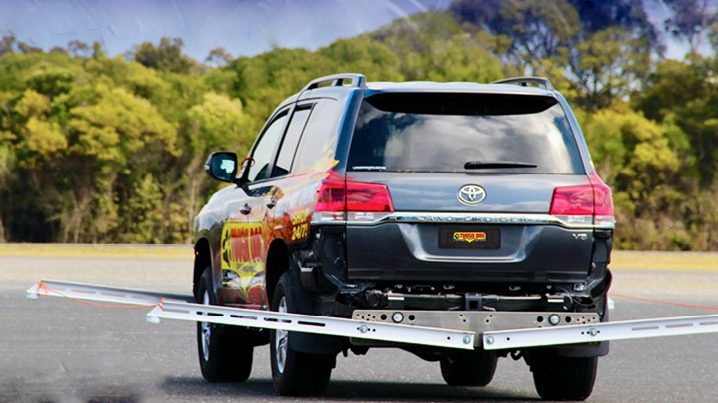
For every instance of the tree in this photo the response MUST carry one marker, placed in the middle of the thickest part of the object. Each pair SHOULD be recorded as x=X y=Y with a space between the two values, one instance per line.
x=690 y=105
x=641 y=160
x=7 y=44
x=166 y=56
x=533 y=30
x=218 y=57
x=58 y=49
x=661 y=96
x=6 y=171
x=25 y=47
x=78 y=48
x=101 y=149
x=608 y=65
x=689 y=21
x=601 y=47
x=628 y=15
x=218 y=123
x=431 y=46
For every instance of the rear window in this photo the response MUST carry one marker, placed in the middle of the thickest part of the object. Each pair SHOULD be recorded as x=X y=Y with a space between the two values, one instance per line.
x=463 y=133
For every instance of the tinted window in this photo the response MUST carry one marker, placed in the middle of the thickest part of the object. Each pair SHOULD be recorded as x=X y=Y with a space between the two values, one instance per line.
x=442 y=132
x=265 y=148
x=291 y=139
x=316 y=149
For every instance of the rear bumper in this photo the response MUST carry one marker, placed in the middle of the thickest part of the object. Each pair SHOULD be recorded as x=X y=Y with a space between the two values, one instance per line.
x=528 y=254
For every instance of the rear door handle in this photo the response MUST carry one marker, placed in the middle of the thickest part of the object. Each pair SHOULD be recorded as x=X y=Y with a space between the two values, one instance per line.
x=246 y=209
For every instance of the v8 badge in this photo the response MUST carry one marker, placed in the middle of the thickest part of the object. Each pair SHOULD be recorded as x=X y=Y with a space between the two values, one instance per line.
x=580 y=236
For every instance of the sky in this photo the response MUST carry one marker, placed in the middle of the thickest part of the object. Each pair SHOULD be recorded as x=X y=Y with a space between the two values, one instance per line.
x=242 y=27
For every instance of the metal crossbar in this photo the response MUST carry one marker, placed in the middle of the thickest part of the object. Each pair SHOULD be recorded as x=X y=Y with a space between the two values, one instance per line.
x=621 y=330
x=325 y=325
x=175 y=306
x=172 y=306
x=91 y=292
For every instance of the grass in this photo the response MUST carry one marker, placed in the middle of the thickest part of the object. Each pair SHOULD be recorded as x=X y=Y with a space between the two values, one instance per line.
x=694 y=261
x=102 y=250
x=700 y=261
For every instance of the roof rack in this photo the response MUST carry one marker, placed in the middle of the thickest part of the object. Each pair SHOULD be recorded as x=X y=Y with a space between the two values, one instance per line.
x=337 y=80
x=525 y=81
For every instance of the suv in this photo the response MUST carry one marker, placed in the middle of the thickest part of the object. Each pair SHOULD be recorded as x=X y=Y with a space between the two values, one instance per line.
x=454 y=205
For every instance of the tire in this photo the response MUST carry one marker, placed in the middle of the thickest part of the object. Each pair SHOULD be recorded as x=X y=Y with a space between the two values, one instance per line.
x=475 y=368
x=563 y=378
x=295 y=373
x=224 y=354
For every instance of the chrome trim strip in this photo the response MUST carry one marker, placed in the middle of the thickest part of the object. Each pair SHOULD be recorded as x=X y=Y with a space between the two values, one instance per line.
x=474 y=218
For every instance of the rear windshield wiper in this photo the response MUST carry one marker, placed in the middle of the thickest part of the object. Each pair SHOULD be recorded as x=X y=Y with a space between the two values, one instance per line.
x=497 y=164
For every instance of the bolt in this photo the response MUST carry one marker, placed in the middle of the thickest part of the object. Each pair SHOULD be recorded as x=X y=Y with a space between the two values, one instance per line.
x=467 y=339
x=363 y=328
x=554 y=319
x=593 y=331
x=397 y=317
x=490 y=340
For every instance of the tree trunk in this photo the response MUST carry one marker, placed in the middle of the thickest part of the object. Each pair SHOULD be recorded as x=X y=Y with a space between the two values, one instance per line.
x=2 y=231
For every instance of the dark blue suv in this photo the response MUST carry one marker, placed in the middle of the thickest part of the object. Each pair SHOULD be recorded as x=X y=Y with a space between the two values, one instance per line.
x=456 y=205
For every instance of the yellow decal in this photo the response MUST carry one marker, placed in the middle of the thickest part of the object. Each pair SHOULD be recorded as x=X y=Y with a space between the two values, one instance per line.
x=241 y=250
x=470 y=237
x=300 y=224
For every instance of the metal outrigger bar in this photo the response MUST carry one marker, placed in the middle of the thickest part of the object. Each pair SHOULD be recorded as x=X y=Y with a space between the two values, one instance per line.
x=176 y=307
x=607 y=331
x=173 y=306
x=428 y=336
x=91 y=292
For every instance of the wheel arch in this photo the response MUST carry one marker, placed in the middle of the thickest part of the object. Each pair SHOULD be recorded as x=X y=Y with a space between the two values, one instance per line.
x=277 y=264
x=202 y=260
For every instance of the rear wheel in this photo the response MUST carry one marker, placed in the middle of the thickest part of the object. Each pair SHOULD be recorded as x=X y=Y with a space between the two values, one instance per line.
x=224 y=353
x=474 y=368
x=563 y=378
x=295 y=373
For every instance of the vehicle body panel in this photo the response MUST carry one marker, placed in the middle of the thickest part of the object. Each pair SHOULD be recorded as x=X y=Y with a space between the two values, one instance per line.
x=240 y=242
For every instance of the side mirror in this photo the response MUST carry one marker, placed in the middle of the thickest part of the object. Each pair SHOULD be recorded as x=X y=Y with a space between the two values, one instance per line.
x=222 y=165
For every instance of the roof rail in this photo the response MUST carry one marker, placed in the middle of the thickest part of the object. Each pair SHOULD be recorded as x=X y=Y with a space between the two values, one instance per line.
x=542 y=82
x=337 y=80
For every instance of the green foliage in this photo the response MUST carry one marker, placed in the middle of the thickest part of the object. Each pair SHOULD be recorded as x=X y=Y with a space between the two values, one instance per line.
x=607 y=66
x=530 y=30
x=218 y=124
x=100 y=149
x=118 y=126
x=166 y=56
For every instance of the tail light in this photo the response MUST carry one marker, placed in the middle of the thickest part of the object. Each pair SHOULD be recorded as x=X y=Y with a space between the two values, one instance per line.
x=584 y=204
x=338 y=196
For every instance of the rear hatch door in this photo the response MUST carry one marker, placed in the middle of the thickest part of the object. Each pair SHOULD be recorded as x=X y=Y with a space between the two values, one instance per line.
x=471 y=178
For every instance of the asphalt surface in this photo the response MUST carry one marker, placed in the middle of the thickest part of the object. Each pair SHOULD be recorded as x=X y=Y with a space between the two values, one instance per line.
x=59 y=350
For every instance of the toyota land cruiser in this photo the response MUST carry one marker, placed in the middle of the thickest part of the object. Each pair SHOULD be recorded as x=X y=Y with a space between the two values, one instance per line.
x=455 y=205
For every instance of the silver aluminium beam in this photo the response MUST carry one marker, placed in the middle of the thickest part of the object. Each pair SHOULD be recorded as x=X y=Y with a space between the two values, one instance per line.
x=91 y=292
x=621 y=330
x=173 y=306
x=325 y=325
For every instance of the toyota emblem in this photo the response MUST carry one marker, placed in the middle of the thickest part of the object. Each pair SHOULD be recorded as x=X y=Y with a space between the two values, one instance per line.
x=471 y=194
